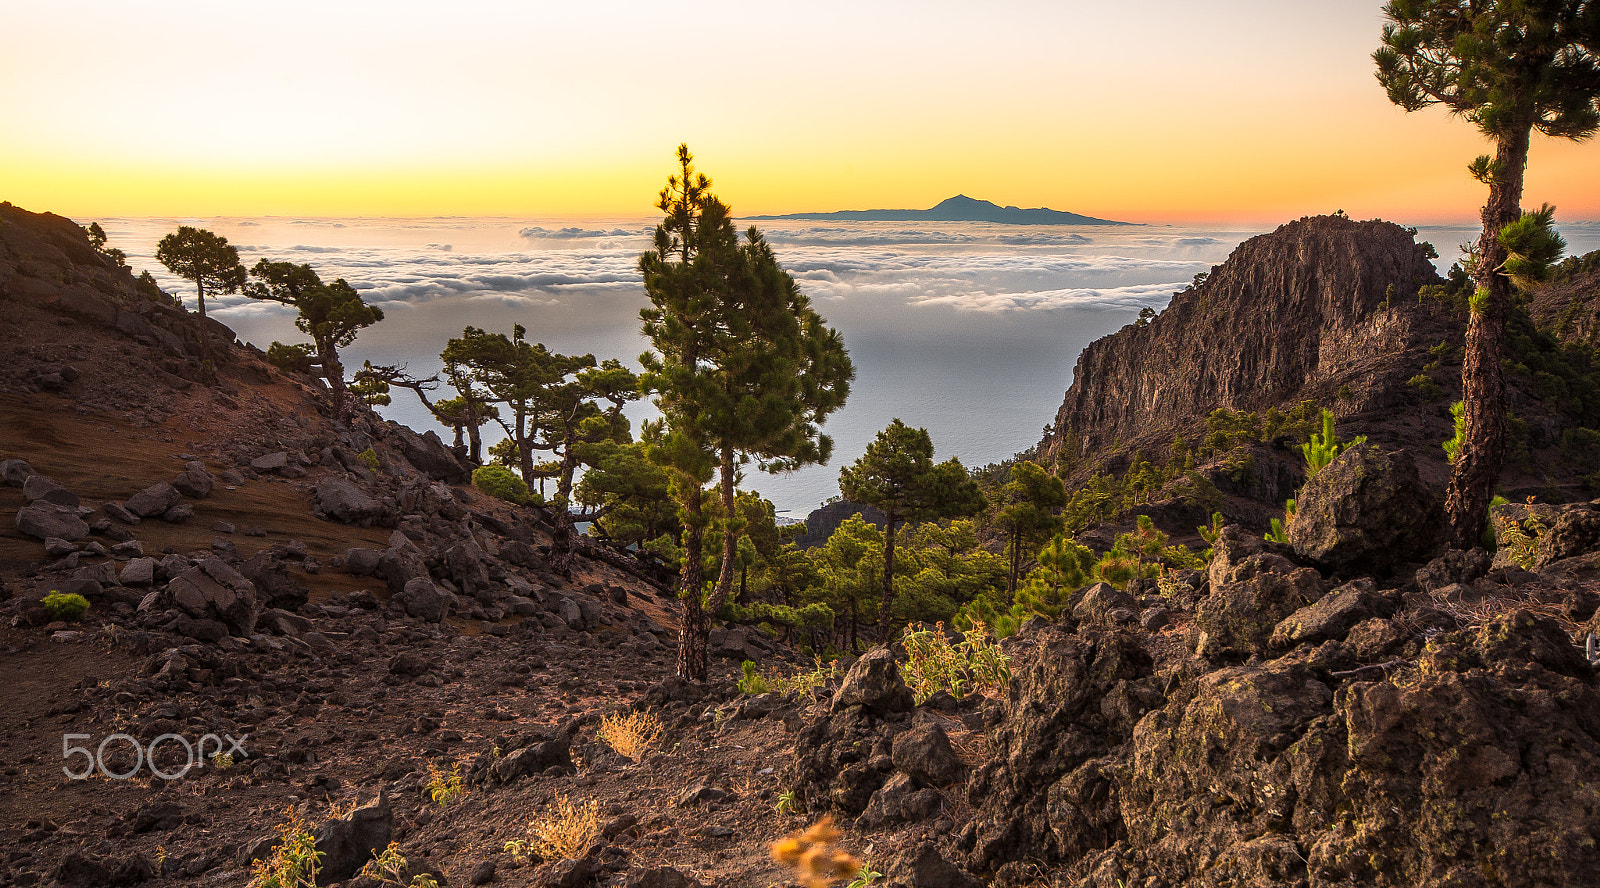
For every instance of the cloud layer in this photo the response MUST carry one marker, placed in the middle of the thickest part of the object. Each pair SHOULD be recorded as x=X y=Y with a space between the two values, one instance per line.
x=865 y=273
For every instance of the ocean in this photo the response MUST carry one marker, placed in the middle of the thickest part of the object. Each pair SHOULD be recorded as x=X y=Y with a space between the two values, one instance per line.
x=969 y=330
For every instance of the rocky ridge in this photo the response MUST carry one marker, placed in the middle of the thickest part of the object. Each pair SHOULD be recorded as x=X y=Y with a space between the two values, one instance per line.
x=1292 y=315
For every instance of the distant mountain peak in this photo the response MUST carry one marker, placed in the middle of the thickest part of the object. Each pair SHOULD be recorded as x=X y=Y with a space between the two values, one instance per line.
x=960 y=208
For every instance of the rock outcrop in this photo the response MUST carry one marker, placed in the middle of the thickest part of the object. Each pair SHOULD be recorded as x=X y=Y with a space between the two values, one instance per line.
x=1291 y=315
x=1365 y=512
x=1361 y=754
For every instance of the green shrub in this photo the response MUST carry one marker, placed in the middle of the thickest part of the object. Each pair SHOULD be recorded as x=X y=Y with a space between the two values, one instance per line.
x=67 y=608
x=290 y=358
x=1425 y=386
x=445 y=787
x=370 y=457
x=295 y=860
x=752 y=683
x=501 y=482
x=933 y=664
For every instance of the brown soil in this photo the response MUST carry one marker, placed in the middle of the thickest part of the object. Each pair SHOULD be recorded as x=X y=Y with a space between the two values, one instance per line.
x=337 y=727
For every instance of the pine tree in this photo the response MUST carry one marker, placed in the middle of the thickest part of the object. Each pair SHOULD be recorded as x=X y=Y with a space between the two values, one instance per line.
x=552 y=404
x=209 y=262
x=1510 y=67
x=1027 y=516
x=744 y=369
x=898 y=475
x=331 y=314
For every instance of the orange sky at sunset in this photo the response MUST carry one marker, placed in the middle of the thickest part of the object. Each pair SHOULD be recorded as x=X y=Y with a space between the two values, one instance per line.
x=1155 y=111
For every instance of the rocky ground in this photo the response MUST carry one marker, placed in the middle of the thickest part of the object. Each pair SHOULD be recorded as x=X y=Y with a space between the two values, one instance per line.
x=1353 y=707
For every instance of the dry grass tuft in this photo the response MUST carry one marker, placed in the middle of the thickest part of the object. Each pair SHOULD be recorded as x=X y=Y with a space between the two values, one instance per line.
x=566 y=830
x=1472 y=614
x=631 y=735
x=812 y=855
x=971 y=747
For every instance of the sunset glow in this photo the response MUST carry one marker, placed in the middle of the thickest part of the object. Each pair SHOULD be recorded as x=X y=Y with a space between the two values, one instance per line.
x=1159 y=112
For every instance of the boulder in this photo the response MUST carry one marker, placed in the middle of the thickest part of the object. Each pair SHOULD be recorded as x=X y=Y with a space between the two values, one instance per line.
x=1099 y=601
x=896 y=802
x=38 y=488
x=194 y=481
x=924 y=867
x=352 y=840
x=543 y=752
x=271 y=462
x=282 y=622
x=1365 y=512
x=570 y=613
x=428 y=454
x=427 y=497
x=362 y=562
x=1575 y=532
x=154 y=500
x=1453 y=566
x=337 y=499
x=119 y=512
x=56 y=547
x=1252 y=590
x=566 y=873
x=422 y=599
x=464 y=564
x=1074 y=698
x=400 y=564
x=138 y=572
x=14 y=472
x=45 y=520
x=275 y=587
x=1332 y=615
x=214 y=590
x=925 y=754
x=178 y=514
x=874 y=683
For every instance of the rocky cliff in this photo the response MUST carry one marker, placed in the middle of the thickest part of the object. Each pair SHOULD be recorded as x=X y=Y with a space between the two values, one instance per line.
x=1320 y=303
x=1570 y=305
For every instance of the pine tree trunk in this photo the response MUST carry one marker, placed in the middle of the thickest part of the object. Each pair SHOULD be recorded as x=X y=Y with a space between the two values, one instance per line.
x=1483 y=396
x=524 y=446
x=850 y=637
x=332 y=370
x=695 y=629
x=206 y=368
x=888 y=575
x=1014 y=568
x=730 y=538
x=562 y=543
x=473 y=435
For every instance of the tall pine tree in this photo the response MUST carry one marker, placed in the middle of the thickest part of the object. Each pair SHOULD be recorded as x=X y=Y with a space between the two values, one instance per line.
x=1511 y=67
x=743 y=369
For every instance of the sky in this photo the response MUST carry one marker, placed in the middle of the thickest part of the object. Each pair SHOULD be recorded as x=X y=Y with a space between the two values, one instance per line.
x=1158 y=111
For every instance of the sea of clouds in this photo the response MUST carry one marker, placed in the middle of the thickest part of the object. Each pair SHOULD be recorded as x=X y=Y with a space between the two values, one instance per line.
x=969 y=330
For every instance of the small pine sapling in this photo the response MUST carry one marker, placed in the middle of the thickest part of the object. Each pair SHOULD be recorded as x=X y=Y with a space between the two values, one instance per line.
x=752 y=683
x=1322 y=448
x=1452 y=447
